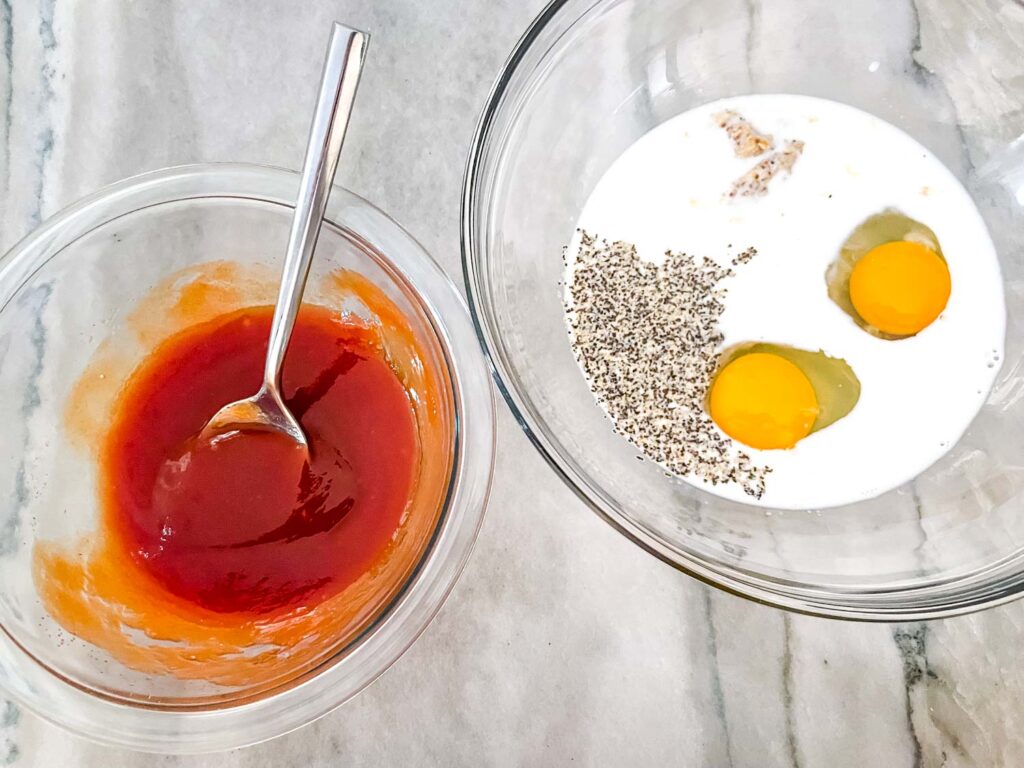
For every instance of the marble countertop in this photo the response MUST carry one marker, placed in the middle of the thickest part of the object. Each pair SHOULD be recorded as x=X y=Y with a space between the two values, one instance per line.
x=627 y=662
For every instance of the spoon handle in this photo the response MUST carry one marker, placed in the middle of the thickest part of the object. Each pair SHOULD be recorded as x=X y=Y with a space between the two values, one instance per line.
x=338 y=82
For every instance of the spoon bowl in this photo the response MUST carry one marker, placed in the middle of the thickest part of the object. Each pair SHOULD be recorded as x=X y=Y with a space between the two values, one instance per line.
x=266 y=410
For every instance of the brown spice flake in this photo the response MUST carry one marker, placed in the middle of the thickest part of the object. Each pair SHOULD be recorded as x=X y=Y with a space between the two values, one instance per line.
x=747 y=141
x=754 y=182
x=646 y=336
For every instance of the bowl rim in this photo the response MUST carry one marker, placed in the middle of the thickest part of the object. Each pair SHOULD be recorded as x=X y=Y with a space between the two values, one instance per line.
x=994 y=584
x=121 y=722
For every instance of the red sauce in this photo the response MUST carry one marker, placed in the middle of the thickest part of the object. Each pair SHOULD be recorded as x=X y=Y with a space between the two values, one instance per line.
x=244 y=523
x=196 y=598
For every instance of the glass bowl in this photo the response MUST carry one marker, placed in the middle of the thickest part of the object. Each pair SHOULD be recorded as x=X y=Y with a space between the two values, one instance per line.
x=587 y=80
x=71 y=286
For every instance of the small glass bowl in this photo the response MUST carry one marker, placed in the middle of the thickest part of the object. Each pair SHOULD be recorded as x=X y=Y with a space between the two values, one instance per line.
x=586 y=81
x=63 y=290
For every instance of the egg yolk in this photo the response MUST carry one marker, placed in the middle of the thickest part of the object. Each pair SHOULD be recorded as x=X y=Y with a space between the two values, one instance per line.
x=764 y=401
x=900 y=287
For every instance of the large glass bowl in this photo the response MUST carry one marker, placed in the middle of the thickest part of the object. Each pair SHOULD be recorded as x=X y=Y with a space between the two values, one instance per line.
x=587 y=80
x=73 y=283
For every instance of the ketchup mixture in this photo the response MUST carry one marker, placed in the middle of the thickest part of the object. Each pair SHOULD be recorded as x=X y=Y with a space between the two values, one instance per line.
x=243 y=522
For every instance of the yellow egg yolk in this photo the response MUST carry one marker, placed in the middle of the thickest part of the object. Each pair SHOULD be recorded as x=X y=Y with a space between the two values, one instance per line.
x=764 y=401
x=900 y=287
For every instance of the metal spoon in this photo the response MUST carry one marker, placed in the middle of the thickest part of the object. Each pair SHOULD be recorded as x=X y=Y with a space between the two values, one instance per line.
x=266 y=409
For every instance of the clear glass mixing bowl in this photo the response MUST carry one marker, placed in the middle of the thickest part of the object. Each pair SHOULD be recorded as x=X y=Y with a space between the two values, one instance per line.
x=588 y=79
x=64 y=290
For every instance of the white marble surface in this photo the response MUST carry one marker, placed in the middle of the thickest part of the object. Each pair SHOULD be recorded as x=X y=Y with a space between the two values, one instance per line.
x=563 y=643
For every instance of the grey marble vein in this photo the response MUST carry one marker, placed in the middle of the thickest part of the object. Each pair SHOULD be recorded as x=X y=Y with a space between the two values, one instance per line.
x=6 y=19
x=36 y=300
x=910 y=641
x=9 y=719
x=787 y=692
x=715 y=682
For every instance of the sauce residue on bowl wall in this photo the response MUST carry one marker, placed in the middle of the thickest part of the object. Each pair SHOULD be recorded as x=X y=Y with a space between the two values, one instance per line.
x=308 y=553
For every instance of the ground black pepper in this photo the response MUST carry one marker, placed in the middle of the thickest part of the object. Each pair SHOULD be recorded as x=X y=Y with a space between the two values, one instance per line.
x=646 y=336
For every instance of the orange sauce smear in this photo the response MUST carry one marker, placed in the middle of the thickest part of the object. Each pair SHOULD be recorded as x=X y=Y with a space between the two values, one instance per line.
x=255 y=565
